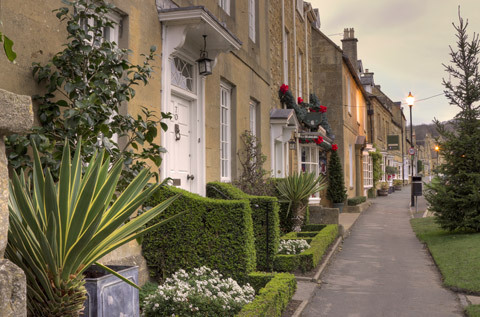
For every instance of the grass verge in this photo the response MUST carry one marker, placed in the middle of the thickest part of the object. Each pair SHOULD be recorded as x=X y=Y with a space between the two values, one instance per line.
x=457 y=254
x=473 y=311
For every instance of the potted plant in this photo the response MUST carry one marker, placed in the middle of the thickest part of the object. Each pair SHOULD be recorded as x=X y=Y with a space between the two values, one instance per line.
x=336 y=191
x=296 y=189
x=59 y=229
x=383 y=191
x=397 y=183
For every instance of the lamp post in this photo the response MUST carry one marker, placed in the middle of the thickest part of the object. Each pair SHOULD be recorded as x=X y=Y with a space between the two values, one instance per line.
x=410 y=101
x=437 y=148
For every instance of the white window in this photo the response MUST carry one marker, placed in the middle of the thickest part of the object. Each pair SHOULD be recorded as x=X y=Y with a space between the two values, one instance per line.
x=251 y=19
x=367 y=171
x=349 y=95
x=300 y=7
x=300 y=79
x=285 y=57
x=109 y=34
x=350 y=159
x=182 y=74
x=382 y=166
x=310 y=159
x=225 y=137
x=225 y=5
x=253 y=117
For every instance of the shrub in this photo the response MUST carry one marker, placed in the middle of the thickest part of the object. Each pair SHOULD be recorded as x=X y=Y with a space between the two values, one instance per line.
x=336 y=191
x=356 y=200
x=397 y=182
x=313 y=227
x=203 y=292
x=264 y=216
x=292 y=246
x=384 y=186
x=308 y=259
x=296 y=189
x=273 y=298
x=216 y=233
x=258 y=280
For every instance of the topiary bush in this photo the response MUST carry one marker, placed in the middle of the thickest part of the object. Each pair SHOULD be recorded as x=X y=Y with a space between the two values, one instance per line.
x=273 y=298
x=214 y=233
x=308 y=259
x=265 y=220
x=356 y=200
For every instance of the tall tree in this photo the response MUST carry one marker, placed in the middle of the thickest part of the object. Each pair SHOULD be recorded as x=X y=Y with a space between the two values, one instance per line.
x=455 y=194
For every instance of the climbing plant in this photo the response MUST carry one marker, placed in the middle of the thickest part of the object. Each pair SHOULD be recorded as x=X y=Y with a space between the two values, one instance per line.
x=377 y=165
x=87 y=86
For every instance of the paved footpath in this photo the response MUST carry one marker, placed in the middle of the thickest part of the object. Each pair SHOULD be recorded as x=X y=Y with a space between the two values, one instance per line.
x=383 y=270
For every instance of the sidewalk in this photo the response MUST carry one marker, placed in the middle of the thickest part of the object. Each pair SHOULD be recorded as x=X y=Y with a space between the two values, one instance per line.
x=380 y=270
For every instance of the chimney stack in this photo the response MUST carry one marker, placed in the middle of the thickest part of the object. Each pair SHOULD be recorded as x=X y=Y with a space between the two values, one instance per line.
x=349 y=46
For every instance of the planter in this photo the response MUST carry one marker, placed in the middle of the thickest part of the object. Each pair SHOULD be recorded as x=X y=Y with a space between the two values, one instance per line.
x=398 y=187
x=108 y=295
x=339 y=206
x=382 y=192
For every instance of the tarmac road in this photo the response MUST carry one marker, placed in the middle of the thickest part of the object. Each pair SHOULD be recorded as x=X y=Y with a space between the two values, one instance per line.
x=383 y=270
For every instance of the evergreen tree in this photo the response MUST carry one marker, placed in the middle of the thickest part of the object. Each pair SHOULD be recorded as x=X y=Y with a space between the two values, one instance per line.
x=455 y=194
x=336 y=191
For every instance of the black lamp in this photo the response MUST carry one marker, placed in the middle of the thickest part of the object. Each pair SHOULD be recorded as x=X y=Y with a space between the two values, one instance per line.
x=204 y=63
x=292 y=144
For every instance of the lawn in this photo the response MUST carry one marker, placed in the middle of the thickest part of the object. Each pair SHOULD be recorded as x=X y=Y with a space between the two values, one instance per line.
x=473 y=311
x=456 y=254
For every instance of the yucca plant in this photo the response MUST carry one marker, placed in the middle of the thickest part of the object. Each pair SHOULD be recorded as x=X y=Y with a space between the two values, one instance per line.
x=57 y=230
x=296 y=189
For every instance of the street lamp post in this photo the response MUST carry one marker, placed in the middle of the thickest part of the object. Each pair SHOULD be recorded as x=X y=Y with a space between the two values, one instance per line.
x=437 y=148
x=410 y=101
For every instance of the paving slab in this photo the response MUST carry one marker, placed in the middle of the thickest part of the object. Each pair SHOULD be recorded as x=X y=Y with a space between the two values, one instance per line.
x=383 y=270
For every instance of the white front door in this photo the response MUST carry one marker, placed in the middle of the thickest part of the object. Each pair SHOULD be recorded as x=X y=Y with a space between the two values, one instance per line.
x=179 y=143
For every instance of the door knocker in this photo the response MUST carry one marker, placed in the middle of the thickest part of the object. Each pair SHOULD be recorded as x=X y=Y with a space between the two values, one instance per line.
x=177 y=132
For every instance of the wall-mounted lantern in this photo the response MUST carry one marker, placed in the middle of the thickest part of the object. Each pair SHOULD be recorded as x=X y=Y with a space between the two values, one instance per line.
x=292 y=144
x=204 y=63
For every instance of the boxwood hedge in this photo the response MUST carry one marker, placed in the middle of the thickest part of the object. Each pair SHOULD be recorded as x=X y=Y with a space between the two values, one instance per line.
x=265 y=220
x=356 y=200
x=215 y=233
x=308 y=259
x=272 y=299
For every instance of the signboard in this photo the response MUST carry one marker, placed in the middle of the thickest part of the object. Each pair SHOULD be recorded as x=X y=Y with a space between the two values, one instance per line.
x=393 y=142
x=411 y=151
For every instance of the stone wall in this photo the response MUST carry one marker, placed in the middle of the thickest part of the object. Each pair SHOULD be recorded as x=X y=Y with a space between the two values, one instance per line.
x=16 y=116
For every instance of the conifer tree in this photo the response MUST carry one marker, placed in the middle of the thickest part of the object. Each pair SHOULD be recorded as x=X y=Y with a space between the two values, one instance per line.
x=336 y=191
x=455 y=195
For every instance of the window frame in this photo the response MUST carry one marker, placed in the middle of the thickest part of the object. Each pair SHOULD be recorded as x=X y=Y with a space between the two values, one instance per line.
x=253 y=106
x=225 y=5
x=252 y=23
x=225 y=132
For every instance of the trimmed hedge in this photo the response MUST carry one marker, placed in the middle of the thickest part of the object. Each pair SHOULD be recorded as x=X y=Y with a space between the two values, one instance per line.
x=263 y=207
x=356 y=200
x=258 y=280
x=214 y=233
x=313 y=227
x=273 y=298
x=308 y=259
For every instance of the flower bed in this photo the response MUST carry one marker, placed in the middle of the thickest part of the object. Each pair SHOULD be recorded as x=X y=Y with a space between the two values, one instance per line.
x=308 y=259
x=202 y=292
x=292 y=246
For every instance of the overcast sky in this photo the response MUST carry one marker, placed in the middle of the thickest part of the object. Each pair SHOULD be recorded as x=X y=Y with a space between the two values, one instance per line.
x=404 y=42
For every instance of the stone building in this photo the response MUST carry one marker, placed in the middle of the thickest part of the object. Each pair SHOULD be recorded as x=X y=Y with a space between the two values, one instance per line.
x=337 y=84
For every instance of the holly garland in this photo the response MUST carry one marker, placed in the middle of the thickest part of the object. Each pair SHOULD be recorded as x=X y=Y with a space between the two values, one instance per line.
x=302 y=108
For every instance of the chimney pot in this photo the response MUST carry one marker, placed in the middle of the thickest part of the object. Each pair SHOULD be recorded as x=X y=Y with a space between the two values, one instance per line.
x=345 y=33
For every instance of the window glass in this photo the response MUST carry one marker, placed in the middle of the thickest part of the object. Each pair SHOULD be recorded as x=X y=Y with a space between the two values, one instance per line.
x=181 y=74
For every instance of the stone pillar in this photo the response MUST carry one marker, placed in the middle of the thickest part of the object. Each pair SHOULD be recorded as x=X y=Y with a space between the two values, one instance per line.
x=16 y=116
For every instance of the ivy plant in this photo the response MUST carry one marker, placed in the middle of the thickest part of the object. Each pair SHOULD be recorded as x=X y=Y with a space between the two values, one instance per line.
x=87 y=87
